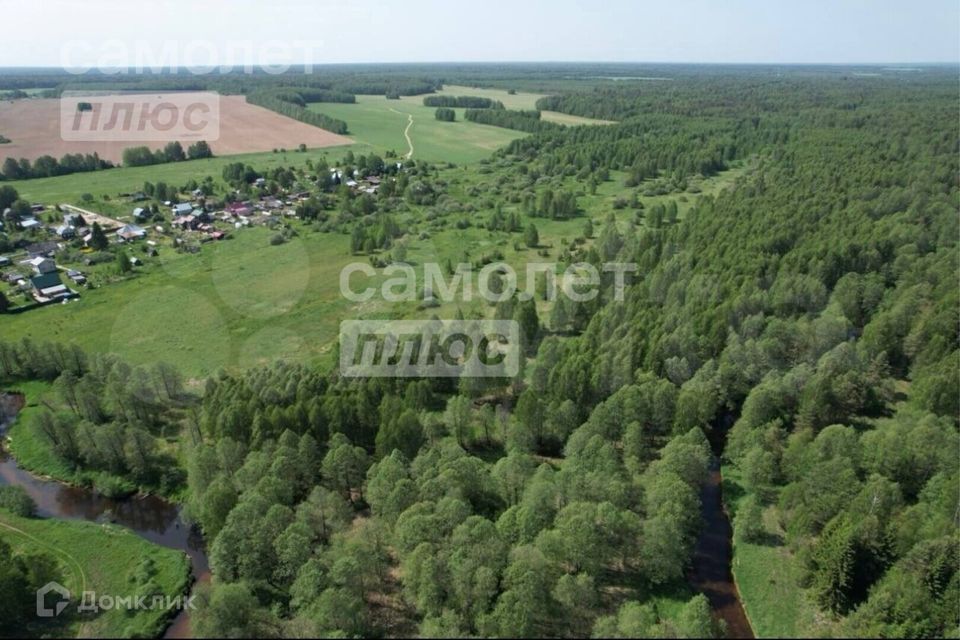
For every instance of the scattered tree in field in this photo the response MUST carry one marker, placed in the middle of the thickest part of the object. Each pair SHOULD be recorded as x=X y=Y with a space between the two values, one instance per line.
x=531 y=237
x=98 y=239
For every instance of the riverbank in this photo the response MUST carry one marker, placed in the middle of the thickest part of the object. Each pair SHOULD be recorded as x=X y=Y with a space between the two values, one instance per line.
x=711 y=572
x=106 y=559
x=33 y=452
x=116 y=547
x=768 y=575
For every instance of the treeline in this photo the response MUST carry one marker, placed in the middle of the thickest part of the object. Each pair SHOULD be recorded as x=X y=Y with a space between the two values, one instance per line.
x=110 y=414
x=528 y=121
x=31 y=360
x=280 y=101
x=47 y=166
x=303 y=97
x=171 y=152
x=462 y=102
x=389 y=86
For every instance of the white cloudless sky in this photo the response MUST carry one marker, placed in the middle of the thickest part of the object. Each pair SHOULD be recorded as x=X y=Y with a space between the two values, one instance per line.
x=127 y=32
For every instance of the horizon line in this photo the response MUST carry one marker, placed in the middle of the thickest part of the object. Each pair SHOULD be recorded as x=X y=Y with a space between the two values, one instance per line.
x=872 y=63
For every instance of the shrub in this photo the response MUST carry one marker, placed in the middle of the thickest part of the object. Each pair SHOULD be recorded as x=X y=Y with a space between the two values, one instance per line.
x=16 y=501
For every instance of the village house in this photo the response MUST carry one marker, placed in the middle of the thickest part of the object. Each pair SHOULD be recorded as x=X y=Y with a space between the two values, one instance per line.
x=182 y=209
x=47 y=286
x=130 y=232
x=41 y=264
x=66 y=231
x=30 y=223
x=239 y=209
x=46 y=249
x=185 y=222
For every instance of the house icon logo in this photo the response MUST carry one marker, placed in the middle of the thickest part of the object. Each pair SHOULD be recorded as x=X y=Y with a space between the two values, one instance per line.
x=43 y=611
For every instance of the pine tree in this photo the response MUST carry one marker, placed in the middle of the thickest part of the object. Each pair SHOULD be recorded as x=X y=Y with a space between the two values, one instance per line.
x=98 y=239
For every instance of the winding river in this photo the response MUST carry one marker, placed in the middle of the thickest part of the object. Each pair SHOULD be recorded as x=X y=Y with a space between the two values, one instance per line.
x=150 y=517
x=712 y=556
x=711 y=572
x=160 y=522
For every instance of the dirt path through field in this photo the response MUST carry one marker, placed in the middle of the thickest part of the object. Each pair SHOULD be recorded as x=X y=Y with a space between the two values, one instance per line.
x=81 y=574
x=406 y=132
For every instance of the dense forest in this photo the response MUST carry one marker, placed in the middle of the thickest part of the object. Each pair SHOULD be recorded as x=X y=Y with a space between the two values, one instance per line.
x=527 y=121
x=811 y=311
x=801 y=325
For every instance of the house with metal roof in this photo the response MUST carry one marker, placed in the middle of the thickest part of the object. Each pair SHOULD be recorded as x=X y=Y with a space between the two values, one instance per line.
x=47 y=286
x=130 y=232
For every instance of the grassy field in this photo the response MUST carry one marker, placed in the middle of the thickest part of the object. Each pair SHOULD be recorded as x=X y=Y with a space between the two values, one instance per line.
x=238 y=303
x=768 y=576
x=101 y=558
x=379 y=124
x=242 y=302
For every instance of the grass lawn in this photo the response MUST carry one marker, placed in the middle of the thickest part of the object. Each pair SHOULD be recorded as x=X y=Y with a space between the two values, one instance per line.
x=100 y=558
x=238 y=303
x=768 y=577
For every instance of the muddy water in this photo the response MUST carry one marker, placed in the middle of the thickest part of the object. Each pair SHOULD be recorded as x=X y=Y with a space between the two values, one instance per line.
x=150 y=517
x=711 y=573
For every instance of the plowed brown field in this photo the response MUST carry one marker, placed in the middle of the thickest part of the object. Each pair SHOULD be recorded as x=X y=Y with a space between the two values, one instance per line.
x=33 y=126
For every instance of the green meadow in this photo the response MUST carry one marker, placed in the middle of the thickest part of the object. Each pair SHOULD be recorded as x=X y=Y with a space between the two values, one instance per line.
x=103 y=558
x=379 y=124
x=243 y=302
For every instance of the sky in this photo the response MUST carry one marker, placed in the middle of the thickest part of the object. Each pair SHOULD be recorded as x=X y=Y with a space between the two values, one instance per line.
x=104 y=33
